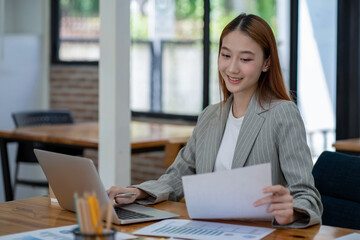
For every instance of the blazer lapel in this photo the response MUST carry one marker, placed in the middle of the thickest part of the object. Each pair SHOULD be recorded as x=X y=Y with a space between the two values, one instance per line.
x=215 y=134
x=249 y=130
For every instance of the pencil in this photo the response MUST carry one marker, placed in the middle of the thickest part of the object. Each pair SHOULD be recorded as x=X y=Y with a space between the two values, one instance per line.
x=81 y=213
x=78 y=213
x=98 y=225
x=108 y=215
x=87 y=217
x=96 y=207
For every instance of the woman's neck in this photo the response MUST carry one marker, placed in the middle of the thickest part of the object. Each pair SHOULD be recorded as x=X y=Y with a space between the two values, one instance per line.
x=240 y=104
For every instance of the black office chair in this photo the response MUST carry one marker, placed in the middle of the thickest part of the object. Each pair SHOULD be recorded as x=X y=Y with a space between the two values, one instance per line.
x=25 y=153
x=337 y=177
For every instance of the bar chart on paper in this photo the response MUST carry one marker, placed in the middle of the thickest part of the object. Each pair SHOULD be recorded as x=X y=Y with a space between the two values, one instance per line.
x=203 y=230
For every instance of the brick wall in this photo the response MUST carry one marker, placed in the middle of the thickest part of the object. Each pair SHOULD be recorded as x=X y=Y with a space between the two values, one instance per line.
x=76 y=88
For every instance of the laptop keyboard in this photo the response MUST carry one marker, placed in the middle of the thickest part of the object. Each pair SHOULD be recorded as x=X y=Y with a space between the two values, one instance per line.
x=127 y=214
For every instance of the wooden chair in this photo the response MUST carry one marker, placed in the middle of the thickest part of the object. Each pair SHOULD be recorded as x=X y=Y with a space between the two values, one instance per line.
x=172 y=148
x=25 y=154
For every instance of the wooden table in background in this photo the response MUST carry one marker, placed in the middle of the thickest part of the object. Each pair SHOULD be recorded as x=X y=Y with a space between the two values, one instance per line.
x=38 y=213
x=348 y=145
x=144 y=136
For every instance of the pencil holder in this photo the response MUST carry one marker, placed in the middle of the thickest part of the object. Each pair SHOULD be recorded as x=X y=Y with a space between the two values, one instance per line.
x=103 y=236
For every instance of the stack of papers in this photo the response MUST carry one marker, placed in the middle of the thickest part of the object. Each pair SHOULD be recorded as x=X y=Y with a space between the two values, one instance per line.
x=228 y=194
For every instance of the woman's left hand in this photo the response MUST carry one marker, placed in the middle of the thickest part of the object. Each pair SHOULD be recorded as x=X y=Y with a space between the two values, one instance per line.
x=281 y=204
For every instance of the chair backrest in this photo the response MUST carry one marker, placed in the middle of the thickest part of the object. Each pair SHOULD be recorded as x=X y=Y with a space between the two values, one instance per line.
x=47 y=117
x=337 y=177
x=36 y=118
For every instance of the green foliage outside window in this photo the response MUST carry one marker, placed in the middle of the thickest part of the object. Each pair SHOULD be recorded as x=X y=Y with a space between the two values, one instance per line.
x=77 y=8
x=267 y=10
x=189 y=9
x=188 y=15
x=139 y=26
x=223 y=11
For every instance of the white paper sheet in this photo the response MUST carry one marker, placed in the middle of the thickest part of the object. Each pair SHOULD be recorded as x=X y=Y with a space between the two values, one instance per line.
x=228 y=194
x=57 y=233
x=352 y=236
x=189 y=229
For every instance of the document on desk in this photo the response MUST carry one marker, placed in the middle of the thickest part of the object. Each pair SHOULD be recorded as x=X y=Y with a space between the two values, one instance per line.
x=352 y=236
x=64 y=233
x=190 y=229
x=228 y=194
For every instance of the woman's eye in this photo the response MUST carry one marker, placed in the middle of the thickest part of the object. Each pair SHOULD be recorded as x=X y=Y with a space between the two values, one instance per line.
x=225 y=55
x=245 y=59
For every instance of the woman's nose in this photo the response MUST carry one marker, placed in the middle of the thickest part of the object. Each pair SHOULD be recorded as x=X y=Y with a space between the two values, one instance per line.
x=233 y=66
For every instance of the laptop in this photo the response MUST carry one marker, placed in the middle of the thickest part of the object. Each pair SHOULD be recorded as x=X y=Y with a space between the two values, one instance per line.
x=71 y=174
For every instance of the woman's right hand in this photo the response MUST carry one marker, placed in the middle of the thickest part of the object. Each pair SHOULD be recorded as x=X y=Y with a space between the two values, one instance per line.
x=114 y=190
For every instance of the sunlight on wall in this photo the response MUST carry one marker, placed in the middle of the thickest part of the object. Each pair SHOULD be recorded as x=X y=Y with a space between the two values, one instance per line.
x=314 y=88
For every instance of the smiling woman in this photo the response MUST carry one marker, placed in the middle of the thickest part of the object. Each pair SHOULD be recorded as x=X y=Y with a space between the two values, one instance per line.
x=255 y=123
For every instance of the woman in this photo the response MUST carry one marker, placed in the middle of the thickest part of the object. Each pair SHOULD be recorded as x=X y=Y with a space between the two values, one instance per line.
x=255 y=123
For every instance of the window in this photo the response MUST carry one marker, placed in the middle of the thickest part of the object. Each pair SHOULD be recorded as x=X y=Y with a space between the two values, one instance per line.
x=174 y=32
x=76 y=32
x=317 y=71
x=222 y=12
x=174 y=47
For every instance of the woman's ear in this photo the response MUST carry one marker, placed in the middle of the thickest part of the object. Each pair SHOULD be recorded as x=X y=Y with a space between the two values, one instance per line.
x=266 y=65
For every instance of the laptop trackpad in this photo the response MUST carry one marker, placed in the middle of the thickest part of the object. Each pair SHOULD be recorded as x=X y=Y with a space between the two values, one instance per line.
x=137 y=213
x=124 y=213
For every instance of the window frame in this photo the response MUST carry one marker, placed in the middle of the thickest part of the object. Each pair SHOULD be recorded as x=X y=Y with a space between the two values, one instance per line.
x=55 y=60
x=55 y=39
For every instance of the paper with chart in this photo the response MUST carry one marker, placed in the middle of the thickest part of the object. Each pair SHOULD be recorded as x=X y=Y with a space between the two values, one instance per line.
x=63 y=233
x=228 y=194
x=190 y=229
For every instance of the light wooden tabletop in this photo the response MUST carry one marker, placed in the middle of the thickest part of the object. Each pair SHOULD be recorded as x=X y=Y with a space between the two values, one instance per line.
x=142 y=134
x=39 y=213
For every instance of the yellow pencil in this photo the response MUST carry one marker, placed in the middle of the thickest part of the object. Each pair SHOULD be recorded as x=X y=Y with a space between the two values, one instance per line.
x=97 y=215
x=92 y=212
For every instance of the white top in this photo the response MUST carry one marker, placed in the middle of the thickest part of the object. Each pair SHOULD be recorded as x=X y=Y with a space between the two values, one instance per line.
x=226 y=151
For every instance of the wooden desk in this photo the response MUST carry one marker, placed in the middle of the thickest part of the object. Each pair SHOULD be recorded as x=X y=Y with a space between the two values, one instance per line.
x=37 y=213
x=144 y=136
x=349 y=145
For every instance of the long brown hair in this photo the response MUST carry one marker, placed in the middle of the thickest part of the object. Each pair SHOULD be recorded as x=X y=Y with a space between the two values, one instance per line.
x=271 y=83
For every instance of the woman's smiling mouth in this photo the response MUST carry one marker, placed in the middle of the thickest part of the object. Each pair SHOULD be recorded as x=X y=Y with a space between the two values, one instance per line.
x=234 y=80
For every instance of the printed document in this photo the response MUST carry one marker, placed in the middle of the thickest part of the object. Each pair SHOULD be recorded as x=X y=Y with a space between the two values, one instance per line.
x=189 y=229
x=64 y=233
x=228 y=194
x=352 y=236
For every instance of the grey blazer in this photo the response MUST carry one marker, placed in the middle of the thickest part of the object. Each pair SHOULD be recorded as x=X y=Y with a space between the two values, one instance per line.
x=273 y=132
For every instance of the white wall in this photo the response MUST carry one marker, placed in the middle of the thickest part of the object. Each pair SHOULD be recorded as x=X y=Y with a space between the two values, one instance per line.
x=24 y=16
x=23 y=63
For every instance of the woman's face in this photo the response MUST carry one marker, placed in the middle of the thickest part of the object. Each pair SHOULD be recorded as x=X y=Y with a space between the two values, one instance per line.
x=240 y=63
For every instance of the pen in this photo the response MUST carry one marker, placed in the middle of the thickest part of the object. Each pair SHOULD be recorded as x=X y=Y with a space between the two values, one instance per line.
x=125 y=195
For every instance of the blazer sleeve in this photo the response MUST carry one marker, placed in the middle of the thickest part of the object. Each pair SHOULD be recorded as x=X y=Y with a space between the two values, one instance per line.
x=296 y=165
x=169 y=185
